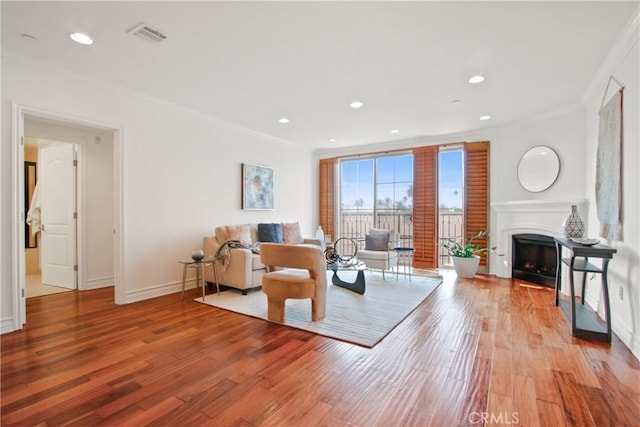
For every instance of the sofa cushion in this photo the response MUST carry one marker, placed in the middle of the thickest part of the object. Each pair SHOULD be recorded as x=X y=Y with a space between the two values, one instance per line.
x=366 y=255
x=221 y=234
x=239 y=232
x=271 y=233
x=291 y=233
x=376 y=242
x=256 y=264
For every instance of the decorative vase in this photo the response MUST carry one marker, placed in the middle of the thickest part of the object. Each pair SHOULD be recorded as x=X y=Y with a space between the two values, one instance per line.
x=197 y=255
x=320 y=237
x=466 y=268
x=573 y=225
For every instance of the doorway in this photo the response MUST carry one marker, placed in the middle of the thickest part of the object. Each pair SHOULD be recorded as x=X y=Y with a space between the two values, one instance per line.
x=51 y=220
x=90 y=138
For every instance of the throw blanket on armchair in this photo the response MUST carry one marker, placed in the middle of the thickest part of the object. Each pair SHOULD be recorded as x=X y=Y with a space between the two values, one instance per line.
x=609 y=169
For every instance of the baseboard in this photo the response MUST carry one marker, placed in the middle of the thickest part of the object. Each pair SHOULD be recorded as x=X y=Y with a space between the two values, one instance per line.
x=101 y=282
x=626 y=335
x=158 y=291
x=619 y=328
x=7 y=325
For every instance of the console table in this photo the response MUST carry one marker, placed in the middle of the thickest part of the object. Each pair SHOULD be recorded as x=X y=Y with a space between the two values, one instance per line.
x=584 y=321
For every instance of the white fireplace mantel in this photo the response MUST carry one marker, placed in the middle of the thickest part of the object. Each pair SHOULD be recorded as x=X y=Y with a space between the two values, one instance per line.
x=528 y=216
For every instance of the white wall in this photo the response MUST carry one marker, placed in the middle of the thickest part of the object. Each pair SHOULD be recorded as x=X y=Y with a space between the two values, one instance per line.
x=624 y=269
x=181 y=173
x=99 y=211
x=563 y=132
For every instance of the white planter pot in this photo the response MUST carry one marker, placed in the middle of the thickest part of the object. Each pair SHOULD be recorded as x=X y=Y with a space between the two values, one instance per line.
x=466 y=267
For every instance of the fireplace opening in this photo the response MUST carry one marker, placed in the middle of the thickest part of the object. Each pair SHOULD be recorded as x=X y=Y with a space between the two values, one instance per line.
x=534 y=259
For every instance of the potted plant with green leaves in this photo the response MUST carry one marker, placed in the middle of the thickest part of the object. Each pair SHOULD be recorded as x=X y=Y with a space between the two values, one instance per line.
x=465 y=256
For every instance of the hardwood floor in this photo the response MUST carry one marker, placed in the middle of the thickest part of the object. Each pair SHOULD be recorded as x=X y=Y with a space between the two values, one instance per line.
x=476 y=352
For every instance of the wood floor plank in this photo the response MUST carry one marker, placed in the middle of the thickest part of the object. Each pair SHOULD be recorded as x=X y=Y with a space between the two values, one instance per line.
x=448 y=410
x=501 y=372
x=413 y=418
x=477 y=391
x=580 y=367
x=403 y=398
x=545 y=386
x=429 y=395
x=574 y=403
x=157 y=412
x=477 y=352
x=625 y=404
x=550 y=414
x=371 y=406
x=524 y=400
x=501 y=407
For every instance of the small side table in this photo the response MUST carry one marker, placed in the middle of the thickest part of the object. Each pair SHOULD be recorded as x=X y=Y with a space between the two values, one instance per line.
x=584 y=321
x=405 y=254
x=199 y=267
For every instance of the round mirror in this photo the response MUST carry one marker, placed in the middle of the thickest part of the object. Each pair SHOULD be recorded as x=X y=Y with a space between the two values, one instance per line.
x=538 y=169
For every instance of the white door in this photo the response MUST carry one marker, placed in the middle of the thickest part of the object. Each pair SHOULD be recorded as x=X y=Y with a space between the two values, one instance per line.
x=57 y=204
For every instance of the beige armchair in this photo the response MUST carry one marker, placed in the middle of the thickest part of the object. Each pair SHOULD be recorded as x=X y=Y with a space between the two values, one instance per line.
x=378 y=251
x=305 y=276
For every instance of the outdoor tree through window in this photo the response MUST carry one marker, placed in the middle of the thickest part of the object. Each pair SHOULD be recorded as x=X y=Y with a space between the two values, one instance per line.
x=376 y=192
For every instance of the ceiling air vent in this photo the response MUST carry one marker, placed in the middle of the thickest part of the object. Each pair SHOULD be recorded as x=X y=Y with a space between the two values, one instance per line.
x=147 y=32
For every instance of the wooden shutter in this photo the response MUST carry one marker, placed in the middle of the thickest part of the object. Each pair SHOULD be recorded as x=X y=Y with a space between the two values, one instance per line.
x=327 y=196
x=477 y=193
x=425 y=207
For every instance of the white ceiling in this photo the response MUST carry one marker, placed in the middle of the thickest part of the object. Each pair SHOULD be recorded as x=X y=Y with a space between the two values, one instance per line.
x=252 y=63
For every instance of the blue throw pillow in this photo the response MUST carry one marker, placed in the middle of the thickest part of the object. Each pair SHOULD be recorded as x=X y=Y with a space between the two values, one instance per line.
x=271 y=233
x=277 y=231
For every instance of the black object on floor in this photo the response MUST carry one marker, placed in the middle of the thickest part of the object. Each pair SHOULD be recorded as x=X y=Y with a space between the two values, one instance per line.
x=358 y=286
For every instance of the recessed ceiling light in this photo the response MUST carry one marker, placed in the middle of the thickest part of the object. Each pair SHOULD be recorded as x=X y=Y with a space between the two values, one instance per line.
x=476 y=79
x=395 y=131
x=332 y=140
x=81 y=38
x=485 y=117
x=284 y=120
x=455 y=101
x=28 y=36
x=356 y=104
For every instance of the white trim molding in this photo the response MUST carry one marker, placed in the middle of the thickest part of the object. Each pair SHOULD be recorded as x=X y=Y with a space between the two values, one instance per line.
x=159 y=290
x=528 y=216
x=626 y=41
x=17 y=209
x=100 y=282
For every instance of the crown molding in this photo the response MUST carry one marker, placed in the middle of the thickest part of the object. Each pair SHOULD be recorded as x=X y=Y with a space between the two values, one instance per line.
x=15 y=57
x=627 y=39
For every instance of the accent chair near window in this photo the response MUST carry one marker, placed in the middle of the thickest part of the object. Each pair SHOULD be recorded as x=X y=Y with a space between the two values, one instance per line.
x=378 y=250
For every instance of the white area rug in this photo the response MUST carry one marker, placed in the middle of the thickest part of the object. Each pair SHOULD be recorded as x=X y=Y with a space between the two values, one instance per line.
x=360 y=319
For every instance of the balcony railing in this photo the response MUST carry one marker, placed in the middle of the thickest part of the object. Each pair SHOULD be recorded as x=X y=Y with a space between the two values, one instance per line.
x=355 y=224
x=451 y=227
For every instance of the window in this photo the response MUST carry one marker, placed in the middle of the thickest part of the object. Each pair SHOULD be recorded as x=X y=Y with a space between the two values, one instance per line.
x=394 y=195
x=376 y=192
x=427 y=199
x=451 y=198
x=401 y=191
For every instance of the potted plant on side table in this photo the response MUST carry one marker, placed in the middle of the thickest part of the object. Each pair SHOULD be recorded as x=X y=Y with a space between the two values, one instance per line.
x=465 y=256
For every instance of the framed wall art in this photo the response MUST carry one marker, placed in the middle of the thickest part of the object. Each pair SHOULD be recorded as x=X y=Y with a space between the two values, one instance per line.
x=257 y=187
